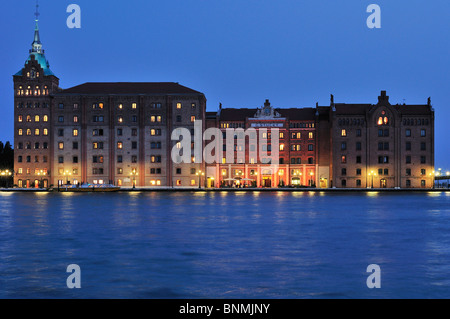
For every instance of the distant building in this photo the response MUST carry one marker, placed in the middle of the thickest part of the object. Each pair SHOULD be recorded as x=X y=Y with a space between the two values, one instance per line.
x=120 y=133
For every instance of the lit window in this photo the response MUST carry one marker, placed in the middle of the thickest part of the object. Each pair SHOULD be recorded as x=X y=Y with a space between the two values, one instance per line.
x=120 y=106
x=178 y=145
x=45 y=132
x=28 y=118
x=178 y=105
x=20 y=118
x=281 y=147
x=75 y=119
x=344 y=132
x=153 y=118
x=310 y=135
x=192 y=182
x=36 y=132
x=380 y=121
x=158 y=118
x=119 y=145
x=75 y=132
x=120 y=119
x=343 y=159
x=28 y=132
x=61 y=145
x=281 y=135
x=299 y=135
x=152 y=132
x=134 y=106
x=45 y=118
x=192 y=118
x=385 y=120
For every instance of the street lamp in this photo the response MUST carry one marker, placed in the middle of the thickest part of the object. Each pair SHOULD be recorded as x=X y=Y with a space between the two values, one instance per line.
x=372 y=173
x=66 y=173
x=199 y=174
x=133 y=174
x=41 y=173
x=7 y=174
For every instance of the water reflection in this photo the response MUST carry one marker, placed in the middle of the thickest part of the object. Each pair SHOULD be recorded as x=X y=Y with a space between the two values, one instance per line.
x=227 y=244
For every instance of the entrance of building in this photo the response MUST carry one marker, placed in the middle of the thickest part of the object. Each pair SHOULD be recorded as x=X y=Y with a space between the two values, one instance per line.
x=383 y=183
x=267 y=181
x=323 y=183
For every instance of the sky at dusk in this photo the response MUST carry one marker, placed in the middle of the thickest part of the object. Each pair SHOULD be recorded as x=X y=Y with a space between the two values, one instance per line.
x=241 y=52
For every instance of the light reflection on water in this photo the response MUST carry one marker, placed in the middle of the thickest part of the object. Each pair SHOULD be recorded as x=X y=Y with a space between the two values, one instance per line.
x=225 y=245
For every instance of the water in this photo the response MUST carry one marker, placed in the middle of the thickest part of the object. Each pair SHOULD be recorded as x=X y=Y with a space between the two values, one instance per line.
x=225 y=245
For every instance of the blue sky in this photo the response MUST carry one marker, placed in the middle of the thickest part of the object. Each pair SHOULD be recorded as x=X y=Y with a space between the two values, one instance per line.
x=241 y=52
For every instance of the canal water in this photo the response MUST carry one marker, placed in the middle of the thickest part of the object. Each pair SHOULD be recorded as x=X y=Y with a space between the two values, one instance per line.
x=225 y=244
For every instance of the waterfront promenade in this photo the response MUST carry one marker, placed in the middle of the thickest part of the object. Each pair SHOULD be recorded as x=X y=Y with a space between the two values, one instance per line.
x=247 y=189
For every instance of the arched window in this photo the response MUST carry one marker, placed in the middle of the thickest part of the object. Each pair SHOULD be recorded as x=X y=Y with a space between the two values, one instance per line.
x=36 y=118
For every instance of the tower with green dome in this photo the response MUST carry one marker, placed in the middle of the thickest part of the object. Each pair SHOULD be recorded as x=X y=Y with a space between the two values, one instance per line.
x=34 y=85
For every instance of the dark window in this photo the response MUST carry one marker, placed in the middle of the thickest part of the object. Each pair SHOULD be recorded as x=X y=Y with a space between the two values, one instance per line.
x=343 y=146
x=358 y=171
x=386 y=171
x=408 y=172
x=293 y=160
x=408 y=159
x=60 y=132
x=358 y=182
x=423 y=132
x=386 y=132
x=178 y=118
x=119 y=132
x=60 y=106
x=408 y=132
x=380 y=133
x=408 y=183
x=358 y=146
x=133 y=145
x=75 y=160
x=358 y=159
x=61 y=159
x=344 y=183
x=119 y=159
x=60 y=119
x=178 y=170
x=423 y=159
x=408 y=146
x=311 y=147
x=343 y=171
x=310 y=160
x=358 y=132
x=423 y=146
x=423 y=171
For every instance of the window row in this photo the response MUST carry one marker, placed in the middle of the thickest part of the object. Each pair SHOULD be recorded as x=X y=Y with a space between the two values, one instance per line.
x=32 y=91
x=27 y=145
x=28 y=118
x=28 y=159
x=28 y=132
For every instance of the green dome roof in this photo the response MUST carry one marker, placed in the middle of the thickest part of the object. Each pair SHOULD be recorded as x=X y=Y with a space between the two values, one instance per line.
x=40 y=58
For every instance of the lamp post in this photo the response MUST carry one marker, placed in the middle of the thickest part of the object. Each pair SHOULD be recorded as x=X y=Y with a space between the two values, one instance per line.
x=7 y=174
x=199 y=174
x=311 y=178
x=372 y=174
x=41 y=173
x=67 y=174
x=133 y=175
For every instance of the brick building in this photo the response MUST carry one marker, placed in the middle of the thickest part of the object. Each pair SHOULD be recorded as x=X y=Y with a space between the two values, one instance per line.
x=120 y=133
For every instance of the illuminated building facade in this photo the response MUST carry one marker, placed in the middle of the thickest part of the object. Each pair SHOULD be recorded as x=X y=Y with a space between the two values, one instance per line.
x=120 y=133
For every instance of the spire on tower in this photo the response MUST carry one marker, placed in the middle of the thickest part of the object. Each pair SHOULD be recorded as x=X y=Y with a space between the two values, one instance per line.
x=36 y=46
